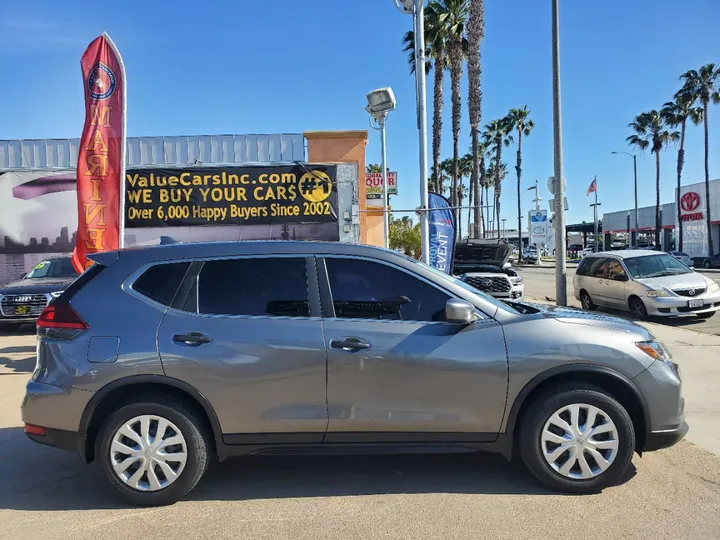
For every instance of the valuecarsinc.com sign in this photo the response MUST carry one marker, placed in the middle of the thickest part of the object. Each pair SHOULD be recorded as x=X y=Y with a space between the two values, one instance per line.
x=231 y=195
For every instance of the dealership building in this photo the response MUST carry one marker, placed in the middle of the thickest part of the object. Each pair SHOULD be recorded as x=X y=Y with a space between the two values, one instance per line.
x=693 y=220
x=38 y=197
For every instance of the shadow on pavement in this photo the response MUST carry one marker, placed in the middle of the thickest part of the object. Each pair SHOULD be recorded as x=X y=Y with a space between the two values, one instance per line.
x=678 y=322
x=18 y=359
x=44 y=478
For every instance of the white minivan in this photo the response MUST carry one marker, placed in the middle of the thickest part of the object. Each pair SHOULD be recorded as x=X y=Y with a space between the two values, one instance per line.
x=647 y=283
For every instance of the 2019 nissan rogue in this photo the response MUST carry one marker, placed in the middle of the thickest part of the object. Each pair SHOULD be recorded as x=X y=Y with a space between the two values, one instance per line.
x=156 y=361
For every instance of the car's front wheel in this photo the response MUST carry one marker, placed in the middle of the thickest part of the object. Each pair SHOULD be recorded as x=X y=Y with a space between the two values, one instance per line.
x=153 y=451
x=638 y=309
x=577 y=440
x=706 y=264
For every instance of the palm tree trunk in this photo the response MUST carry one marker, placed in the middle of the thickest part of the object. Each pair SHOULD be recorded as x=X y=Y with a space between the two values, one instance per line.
x=498 y=180
x=437 y=119
x=711 y=247
x=458 y=211
x=518 y=170
x=456 y=98
x=657 y=200
x=470 y=204
x=680 y=161
x=475 y=34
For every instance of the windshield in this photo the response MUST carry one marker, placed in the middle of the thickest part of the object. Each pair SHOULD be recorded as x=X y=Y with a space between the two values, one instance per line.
x=655 y=266
x=54 y=268
x=455 y=281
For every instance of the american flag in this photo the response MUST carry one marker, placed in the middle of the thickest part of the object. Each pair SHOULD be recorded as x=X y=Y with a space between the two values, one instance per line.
x=592 y=188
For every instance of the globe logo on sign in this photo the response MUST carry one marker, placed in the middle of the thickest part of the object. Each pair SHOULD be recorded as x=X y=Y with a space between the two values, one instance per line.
x=101 y=81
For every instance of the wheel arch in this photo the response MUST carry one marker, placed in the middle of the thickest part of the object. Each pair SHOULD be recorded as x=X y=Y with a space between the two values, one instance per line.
x=122 y=391
x=614 y=383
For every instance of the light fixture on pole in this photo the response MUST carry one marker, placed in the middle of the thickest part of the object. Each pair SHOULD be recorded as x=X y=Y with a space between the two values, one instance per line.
x=380 y=103
x=416 y=8
x=634 y=158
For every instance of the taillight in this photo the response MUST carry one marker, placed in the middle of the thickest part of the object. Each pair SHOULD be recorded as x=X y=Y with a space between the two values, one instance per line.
x=61 y=316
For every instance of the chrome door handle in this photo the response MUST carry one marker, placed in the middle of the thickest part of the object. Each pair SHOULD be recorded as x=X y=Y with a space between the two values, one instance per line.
x=350 y=344
x=192 y=339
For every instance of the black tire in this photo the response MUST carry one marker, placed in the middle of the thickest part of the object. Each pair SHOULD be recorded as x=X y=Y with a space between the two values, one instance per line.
x=543 y=407
x=586 y=301
x=706 y=264
x=191 y=428
x=637 y=308
x=706 y=315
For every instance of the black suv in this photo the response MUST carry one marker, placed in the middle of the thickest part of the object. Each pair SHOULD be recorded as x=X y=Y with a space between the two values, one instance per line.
x=22 y=301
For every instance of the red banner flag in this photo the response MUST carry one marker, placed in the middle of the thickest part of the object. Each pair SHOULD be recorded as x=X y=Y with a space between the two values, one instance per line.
x=101 y=154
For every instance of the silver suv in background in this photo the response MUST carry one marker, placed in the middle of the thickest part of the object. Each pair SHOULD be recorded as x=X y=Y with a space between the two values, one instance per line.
x=157 y=361
x=647 y=283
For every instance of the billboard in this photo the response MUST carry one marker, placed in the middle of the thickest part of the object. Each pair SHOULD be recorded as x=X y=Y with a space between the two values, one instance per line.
x=374 y=184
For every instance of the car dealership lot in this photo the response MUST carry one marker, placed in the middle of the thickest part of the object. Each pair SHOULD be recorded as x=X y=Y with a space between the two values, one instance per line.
x=674 y=493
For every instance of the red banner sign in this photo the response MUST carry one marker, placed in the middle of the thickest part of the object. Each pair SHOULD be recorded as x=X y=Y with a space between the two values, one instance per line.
x=101 y=154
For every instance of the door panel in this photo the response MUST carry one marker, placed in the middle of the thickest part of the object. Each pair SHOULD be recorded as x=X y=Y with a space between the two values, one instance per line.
x=616 y=289
x=245 y=338
x=396 y=370
x=416 y=377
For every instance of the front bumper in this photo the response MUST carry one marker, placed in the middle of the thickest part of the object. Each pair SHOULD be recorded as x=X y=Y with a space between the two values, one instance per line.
x=657 y=440
x=677 y=306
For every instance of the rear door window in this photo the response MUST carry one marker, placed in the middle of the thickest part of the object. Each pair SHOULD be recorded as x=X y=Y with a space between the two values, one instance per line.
x=161 y=282
x=599 y=268
x=254 y=287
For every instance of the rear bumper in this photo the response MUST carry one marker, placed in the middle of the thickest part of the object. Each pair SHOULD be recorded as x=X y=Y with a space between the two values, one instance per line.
x=657 y=440
x=66 y=440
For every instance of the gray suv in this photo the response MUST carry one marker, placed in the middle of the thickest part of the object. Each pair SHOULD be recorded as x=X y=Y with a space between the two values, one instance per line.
x=156 y=361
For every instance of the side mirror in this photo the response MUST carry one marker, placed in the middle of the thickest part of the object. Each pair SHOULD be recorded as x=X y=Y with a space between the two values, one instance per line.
x=620 y=277
x=459 y=311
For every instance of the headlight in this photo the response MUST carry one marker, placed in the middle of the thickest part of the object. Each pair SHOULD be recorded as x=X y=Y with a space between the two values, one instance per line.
x=656 y=350
x=517 y=280
x=713 y=288
x=56 y=294
x=659 y=293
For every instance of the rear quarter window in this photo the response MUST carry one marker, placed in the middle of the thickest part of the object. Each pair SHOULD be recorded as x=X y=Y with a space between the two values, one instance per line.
x=161 y=282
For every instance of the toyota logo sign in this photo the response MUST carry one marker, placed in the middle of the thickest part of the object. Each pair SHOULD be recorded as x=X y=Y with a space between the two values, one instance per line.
x=689 y=201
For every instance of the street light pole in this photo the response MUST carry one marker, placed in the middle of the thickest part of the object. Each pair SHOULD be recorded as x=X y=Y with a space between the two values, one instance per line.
x=386 y=219
x=634 y=158
x=416 y=8
x=503 y=227
x=559 y=191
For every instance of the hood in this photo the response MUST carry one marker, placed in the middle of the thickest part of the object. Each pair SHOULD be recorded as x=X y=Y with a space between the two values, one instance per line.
x=36 y=286
x=472 y=254
x=681 y=281
x=569 y=315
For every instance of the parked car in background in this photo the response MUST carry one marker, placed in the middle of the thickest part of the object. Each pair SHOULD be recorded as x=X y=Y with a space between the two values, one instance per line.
x=530 y=253
x=157 y=361
x=683 y=258
x=483 y=265
x=648 y=283
x=22 y=301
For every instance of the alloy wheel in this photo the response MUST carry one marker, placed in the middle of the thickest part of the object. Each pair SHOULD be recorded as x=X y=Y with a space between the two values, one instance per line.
x=579 y=441
x=148 y=453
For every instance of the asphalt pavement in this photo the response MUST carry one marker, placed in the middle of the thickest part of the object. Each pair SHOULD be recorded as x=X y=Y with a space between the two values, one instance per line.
x=672 y=494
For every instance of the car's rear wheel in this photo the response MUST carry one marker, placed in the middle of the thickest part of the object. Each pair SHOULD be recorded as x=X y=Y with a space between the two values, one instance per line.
x=153 y=451
x=706 y=315
x=586 y=301
x=577 y=440
x=706 y=264
x=638 y=309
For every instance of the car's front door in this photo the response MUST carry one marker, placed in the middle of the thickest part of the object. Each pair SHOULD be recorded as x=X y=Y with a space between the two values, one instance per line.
x=615 y=285
x=249 y=339
x=397 y=372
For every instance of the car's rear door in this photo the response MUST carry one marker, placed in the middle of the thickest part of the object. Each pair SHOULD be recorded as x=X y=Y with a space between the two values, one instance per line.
x=248 y=336
x=397 y=372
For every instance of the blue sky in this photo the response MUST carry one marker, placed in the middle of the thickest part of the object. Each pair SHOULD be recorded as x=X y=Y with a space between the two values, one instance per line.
x=288 y=66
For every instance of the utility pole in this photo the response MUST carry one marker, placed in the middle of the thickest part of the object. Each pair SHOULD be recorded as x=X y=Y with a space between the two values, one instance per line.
x=559 y=188
x=419 y=14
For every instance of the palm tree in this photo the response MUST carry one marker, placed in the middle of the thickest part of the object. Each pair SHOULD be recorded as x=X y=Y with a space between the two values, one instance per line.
x=677 y=113
x=465 y=170
x=436 y=49
x=651 y=131
x=702 y=86
x=475 y=34
x=373 y=168
x=497 y=175
x=498 y=132
x=479 y=184
x=520 y=120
